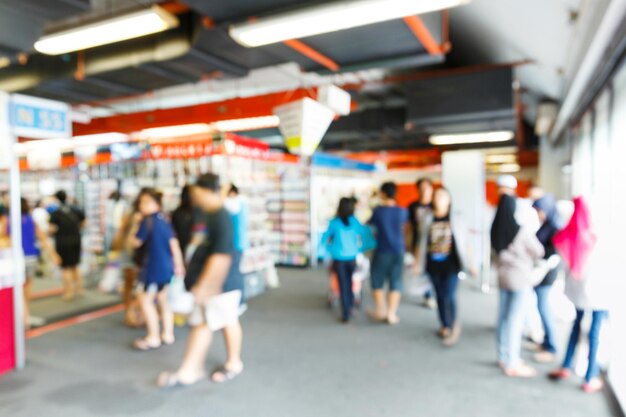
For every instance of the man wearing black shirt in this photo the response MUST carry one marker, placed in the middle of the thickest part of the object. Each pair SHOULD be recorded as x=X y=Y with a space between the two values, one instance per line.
x=219 y=275
x=418 y=211
x=66 y=224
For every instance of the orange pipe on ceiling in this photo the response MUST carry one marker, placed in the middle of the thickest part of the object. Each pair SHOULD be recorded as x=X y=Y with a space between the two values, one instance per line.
x=421 y=32
x=312 y=54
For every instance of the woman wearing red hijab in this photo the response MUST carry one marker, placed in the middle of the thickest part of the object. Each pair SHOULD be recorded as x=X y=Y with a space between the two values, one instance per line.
x=577 y=246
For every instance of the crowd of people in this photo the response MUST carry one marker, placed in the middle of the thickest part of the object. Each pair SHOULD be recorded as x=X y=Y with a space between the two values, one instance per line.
x=202 y=243
x=528 y=256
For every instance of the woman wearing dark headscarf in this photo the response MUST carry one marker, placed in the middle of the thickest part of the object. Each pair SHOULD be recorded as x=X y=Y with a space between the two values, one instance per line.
x=517 y=249
x=550 y=225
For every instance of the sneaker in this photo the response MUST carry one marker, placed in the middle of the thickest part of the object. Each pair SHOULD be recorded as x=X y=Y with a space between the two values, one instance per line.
x=544 y=357
x=593 y=386
x=429 y=303
x=560 y=374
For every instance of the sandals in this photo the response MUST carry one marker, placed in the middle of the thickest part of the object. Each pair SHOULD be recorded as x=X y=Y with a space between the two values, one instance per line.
x=144 y=345
x=228 y=374
x=168 y=341
x=168 y=380
x=375 y=317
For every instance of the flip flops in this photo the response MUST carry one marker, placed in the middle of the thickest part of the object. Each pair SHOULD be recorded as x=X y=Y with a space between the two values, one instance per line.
x=228 y=374
x=144 y=346
x=168 y=380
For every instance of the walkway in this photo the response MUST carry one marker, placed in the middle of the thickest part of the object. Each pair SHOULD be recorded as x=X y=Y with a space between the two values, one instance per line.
x=300 y=362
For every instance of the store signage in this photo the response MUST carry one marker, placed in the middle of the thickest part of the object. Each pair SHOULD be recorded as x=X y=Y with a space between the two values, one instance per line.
x=181 y=150
x=38 y=118
x=245 y=147
x=303 y=124
x=332 y=161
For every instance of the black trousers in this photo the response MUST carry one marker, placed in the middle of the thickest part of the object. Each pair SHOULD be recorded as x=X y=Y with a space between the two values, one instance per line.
x=344 y=271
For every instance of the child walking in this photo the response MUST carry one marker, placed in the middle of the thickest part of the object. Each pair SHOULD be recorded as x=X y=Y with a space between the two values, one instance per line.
x=160 y=257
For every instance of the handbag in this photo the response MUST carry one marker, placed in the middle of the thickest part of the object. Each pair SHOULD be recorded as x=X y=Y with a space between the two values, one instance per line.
x=111 y=278
x=140 y=254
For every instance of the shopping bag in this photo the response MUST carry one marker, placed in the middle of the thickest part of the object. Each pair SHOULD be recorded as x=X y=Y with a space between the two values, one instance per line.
x=223 y=310
x=542 y=267
x=180 y=300
x=111 y=278
x=416 y=284
x=362 y=271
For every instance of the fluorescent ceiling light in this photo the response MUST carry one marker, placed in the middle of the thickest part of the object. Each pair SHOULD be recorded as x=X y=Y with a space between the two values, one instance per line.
x=233 y=125
x=509 y=168
x=330 y=17
x=100 y=139
x=250 y=123
x=115 y=29
x=467 y=138
x=501 y=159
x=67 y=145
x=173 y=131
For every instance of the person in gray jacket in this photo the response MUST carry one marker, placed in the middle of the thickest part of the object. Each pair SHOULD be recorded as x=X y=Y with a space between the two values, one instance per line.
x=517 y=249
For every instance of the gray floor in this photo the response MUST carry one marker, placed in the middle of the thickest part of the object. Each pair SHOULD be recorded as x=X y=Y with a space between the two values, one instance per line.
x=54 y=308
x=299 y=362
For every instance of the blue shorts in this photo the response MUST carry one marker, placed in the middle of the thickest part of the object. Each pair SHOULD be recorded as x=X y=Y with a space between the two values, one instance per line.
x=387 y=267
x=235 y=279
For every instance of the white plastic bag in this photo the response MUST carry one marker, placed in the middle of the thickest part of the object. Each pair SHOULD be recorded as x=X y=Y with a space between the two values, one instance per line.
x=111 y=278
x=180 y=300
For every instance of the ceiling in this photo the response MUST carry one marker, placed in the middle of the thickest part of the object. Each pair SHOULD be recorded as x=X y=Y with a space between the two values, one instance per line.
x=551 y=34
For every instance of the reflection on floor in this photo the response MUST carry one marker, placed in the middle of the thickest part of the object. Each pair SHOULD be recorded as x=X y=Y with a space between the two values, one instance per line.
x=299 y=362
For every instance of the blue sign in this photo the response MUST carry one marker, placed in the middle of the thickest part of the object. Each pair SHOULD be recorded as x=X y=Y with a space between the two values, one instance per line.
x=332 y=161
x=38 y=118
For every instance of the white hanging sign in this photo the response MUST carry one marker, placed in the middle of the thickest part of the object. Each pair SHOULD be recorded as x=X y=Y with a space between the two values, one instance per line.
x=335 y=98
x=303 y=124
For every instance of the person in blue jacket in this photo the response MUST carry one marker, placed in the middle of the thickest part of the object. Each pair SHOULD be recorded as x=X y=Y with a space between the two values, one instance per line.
x=345 y=239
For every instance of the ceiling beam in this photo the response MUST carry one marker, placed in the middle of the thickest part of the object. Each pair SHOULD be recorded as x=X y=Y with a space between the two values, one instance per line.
x=218 y=63
x=168 y=74
x=112 y=85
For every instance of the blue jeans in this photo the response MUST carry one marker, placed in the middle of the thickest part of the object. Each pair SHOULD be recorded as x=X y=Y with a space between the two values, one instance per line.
x=593 y=369
x=387 y=267
x=511 y=326
x=445 y=289
x=345 y=271
x=545 y=312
